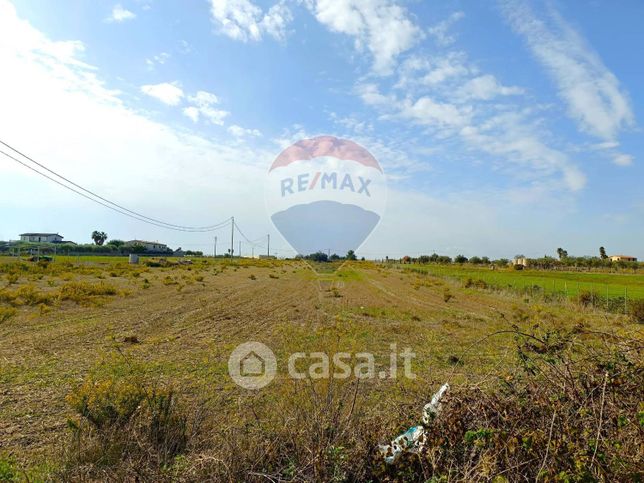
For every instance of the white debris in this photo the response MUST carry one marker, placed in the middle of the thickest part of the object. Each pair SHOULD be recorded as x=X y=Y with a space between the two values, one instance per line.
x=432 y=408
x=413 y=440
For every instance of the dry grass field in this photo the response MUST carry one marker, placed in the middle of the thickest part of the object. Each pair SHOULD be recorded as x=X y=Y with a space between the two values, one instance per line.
x=74 y=335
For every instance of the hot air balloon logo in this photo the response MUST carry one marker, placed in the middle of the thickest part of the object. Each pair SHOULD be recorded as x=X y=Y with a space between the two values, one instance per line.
x=325 y=194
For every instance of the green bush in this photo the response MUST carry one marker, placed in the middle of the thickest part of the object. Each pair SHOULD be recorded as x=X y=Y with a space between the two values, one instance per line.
x=107 y=402
x=636 y=309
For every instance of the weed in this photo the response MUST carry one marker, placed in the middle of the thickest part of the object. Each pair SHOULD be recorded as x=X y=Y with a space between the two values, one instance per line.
x=26 y=295
x=636 y=308
x=107 y=402
x=12 y=278
x=5 y=314
x=252 y=276
x=85 y=292
x=447 y=295
x=8 y=470
x=125 y=425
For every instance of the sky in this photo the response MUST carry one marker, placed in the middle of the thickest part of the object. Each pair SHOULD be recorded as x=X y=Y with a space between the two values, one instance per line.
x=503 y=127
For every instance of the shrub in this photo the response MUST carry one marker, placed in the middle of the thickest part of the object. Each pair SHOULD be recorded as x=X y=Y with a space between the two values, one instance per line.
x=568 y=412
x=8 y=471
x=447 y=295
x=107 y=402
x=83 y=292
x=637 y=310
x=26 y=295
x=12 y=278
x=5 y=314
x=585 y=298
x=125 y=426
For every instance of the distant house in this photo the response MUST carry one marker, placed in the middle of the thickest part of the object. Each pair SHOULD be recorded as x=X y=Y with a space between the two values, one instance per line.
x=148 y=245
x=622 y=258
x=178 y=253
x=523 y=261
x=41 y=237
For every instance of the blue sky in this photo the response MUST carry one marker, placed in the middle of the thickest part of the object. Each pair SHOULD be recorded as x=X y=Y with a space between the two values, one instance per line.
x=504 y=127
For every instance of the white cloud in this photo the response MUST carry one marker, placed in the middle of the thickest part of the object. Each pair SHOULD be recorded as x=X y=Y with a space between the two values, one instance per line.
x=192 y=112
x=158 y=59
x=240 y=132
x=509 y=136
x=440 y=31
x=202 y=106
x=622 y=159
x=120 y=14
x=418 y=71
x=243 y=20
x=512 y=143
x=169 y=93
x=379 y=26
x=486 y=87
x=592 y=93
x=370 y=95
x=203 y=99
x=428 y=111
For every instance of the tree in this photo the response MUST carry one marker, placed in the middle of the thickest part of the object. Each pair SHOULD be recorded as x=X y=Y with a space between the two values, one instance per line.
x=99 y=237
x=460 y=259
x=562 y=253
x=116 y=243
x=602 y=253
x=138 y=248
x=318 y=257
x=351 y=255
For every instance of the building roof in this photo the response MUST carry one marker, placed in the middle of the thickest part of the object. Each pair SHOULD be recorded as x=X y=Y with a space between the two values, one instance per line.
x=622 y=256
x=41 y=234
x=143 y=242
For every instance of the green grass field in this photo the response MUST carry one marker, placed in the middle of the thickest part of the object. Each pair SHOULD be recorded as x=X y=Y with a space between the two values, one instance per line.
x=571 y=284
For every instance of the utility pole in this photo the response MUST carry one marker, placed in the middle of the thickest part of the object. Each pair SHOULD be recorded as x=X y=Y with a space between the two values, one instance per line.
x=215 y=252
x=232 y=237
x=239 y=254
x=268 y=250
x=252 y=251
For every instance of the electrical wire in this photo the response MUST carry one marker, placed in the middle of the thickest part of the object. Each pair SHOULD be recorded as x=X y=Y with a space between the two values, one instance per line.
x=106 y=202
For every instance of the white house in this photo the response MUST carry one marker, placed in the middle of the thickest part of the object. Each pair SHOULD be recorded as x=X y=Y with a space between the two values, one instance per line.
x=41 y=237
x=523 y=261
x=622 y=258
x=149 y=246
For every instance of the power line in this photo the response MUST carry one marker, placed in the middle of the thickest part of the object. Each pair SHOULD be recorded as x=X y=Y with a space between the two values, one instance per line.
x=104 y=201
x=252 y=242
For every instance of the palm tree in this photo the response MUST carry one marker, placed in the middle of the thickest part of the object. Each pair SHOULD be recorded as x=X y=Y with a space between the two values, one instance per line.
x=99 y=237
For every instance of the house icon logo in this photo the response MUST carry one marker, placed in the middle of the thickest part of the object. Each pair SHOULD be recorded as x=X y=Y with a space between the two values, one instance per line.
x=252 y=365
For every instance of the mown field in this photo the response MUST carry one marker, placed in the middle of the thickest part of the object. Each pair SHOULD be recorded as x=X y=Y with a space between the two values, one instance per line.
x=624 y=284
x=110 y=371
